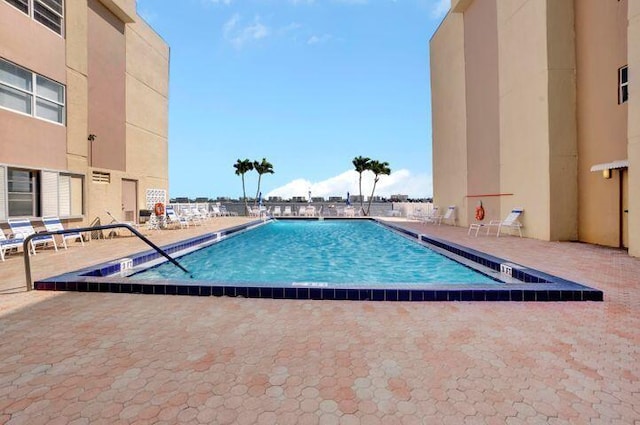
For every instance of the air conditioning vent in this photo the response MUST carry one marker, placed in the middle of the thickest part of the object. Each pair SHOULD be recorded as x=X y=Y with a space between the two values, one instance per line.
x=99 y=177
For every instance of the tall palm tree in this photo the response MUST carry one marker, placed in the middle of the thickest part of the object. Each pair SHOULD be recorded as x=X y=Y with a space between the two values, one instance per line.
x=242 y=167
x=377 y=168
x=264 y=167
x=361 y=165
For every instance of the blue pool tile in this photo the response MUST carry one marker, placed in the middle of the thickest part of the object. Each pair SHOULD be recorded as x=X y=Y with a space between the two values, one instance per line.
x=266 y=292
x=391 y=294
x=417 y=295
x=147 y=289
x=253 y=292
x=480 y=295
x=205 y=291
x=183 y=290
x=315 y=293
x=290 y=293
x=353 y=295
x=340 y=294
x=217 y=291
x=278 y=293
x=404 y=295
x=365 y=294
x=542 y=295
x=554 y=296
x=466 y=295
x=455 y=296
x=328 y=294
x=377 y=294
x=302 y=293
x=230 y=291
x=429 y=295
x=442 y=295
x=517 y=295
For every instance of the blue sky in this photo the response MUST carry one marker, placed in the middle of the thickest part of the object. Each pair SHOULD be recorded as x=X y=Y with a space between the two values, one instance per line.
x=307 y=84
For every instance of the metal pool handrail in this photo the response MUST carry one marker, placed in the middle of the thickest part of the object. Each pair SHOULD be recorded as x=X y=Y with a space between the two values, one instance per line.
x=27 y=240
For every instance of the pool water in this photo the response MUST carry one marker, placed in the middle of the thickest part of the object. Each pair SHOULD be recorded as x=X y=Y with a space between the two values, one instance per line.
x=354 y=252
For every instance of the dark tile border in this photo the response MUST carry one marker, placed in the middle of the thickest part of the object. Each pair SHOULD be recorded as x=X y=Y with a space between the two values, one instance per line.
x=536 y=286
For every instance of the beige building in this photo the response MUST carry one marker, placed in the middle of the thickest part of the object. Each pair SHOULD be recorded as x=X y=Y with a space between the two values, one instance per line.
x=532 y=108
x=83 y=110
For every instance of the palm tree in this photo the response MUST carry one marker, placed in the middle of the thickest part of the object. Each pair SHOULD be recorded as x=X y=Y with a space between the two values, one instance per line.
x=377 y=168
x=361 y=165
x=264 y=167
x=243 y=166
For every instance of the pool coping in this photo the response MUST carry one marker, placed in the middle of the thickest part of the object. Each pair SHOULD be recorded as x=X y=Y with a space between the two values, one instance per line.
x=535 y=285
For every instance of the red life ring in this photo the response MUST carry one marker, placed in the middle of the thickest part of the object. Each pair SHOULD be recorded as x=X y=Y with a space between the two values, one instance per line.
x=158 y=209
x=480 y=212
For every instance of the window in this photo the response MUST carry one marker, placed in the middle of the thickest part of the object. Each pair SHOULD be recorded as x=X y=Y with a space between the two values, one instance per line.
x=49 y=13
x=623 y=84
x=35 y=193
x=21 y=192
x=46 y=101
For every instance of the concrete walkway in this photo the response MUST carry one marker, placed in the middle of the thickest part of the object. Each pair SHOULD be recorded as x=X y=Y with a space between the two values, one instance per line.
x=113 y=358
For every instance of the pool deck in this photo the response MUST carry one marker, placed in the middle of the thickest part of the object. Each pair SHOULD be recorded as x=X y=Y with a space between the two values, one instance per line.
x=86 y=358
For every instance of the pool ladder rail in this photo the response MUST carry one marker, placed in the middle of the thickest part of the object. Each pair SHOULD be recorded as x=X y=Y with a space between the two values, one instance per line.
x=27 y=240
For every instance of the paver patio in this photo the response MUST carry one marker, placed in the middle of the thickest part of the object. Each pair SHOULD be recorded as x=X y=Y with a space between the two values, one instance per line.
x=90 y=358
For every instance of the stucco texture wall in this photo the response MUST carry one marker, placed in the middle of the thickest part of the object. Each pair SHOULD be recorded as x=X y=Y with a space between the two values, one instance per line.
x=449 y=116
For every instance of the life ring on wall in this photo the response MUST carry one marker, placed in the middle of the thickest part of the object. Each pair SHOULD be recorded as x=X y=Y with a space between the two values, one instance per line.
x=479 y=212
x=158 y=209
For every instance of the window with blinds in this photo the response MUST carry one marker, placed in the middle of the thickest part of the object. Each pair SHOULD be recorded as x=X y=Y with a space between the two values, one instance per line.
x=34 y=193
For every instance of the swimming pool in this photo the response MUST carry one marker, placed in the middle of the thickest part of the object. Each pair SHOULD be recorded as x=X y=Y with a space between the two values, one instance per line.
x=508 y=281
x=320 y=252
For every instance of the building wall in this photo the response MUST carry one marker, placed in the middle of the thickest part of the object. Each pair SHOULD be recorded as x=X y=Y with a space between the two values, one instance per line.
x=28 y=141
x=602 y=122
x=449 y=115
x=558 y=113
x=106 y=73
x=633 y=150
x=563 y=142
x=116 y=72
x=483 y=119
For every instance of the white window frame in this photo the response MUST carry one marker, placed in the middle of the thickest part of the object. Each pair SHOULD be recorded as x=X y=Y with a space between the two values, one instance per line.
x=42 y=201
x=623 y=85
x=33 y=94
x=42 y=3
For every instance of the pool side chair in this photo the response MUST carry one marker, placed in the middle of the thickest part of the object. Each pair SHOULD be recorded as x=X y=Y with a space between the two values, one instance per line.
x=116 y=221
x=448 y=217
x=510 y=222
x=53 y=224
x=310 y=211
x=349 y=211
x=21 y=228
x=8 y=244
x=175 y=219
x=432 y=217
x=287 y=211
x=277 y=212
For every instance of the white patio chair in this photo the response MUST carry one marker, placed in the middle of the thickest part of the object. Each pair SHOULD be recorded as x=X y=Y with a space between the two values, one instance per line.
x=21 y=228
x=510 y=222
x=53 y=224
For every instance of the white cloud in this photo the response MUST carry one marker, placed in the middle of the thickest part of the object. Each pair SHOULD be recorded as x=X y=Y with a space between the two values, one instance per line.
x=398 y=182
x=239 y=35
x=319 y=39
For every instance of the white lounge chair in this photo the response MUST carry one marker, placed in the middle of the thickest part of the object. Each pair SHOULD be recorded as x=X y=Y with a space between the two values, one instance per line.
x=116 y=221
x=449 y=216
x=8 y=244
x=349 y=211
x=310 y=211
x=173 y=218
x=277 y=211
x=511 y=222
x=21 y=228
x=432 y=217
x=53 y=224
x=287 y=210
